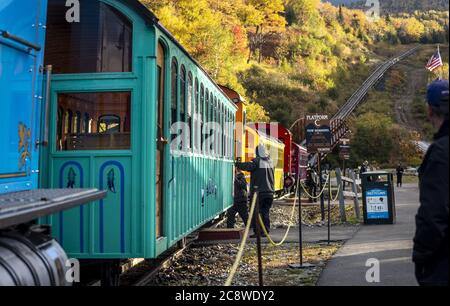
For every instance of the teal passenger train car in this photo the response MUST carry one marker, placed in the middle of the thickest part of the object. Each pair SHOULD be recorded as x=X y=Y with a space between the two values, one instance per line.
x=121 y=88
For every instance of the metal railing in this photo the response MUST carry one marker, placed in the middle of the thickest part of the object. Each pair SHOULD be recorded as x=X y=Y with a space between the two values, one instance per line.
x=339 y=128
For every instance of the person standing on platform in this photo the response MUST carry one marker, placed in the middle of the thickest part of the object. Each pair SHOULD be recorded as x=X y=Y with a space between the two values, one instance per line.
x=262 y=180
x=311 y=185
x=400 y=172
x=240 y=199
x=431 y=245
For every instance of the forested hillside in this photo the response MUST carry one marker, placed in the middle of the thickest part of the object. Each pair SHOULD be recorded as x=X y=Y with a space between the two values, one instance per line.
x=398 y=6
x=289 y=56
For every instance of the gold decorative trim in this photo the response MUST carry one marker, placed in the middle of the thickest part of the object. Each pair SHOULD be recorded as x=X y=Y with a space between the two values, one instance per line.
x=12 y=175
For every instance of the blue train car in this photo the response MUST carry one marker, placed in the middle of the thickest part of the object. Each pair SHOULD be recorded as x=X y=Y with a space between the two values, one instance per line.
x=28 y=254
x=121 y=86
x=21 y=84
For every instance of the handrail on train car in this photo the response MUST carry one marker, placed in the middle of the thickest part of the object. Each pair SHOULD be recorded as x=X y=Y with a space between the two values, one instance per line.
x=44 y=141
x=20 y=40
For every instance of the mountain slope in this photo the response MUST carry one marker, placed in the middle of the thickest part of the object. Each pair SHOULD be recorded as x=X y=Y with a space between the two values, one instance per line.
x=397 y=6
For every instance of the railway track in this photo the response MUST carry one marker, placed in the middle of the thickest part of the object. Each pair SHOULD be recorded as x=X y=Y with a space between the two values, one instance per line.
x=338 y=121
x=353 y=102
x=172 y=255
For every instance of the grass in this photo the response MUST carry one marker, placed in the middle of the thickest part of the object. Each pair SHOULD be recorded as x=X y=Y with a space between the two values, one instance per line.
x=410 y=179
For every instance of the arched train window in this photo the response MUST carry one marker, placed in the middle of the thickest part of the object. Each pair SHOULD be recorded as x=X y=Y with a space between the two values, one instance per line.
x=189 y=107
x=183 y=94
x=174 y=96
x=101 y=42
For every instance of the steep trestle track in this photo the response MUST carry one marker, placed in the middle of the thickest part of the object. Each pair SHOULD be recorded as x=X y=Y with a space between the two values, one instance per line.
x=339 y=127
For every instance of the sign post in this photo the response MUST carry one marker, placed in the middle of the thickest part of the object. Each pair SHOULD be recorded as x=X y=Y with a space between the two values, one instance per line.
x=344 y=155
x=318 y=141
x=318 y=133
x=300 y=265
x=344 y=149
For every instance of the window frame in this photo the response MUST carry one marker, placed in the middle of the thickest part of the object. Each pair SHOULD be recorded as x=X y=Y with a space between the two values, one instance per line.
x=189 y=110
x=91 y=121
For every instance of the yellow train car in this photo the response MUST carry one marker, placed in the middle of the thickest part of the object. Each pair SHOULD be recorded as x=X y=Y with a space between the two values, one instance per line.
x=276 y=151
x=247 y=139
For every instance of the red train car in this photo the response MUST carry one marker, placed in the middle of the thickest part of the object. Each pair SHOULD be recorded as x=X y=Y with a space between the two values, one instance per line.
x=276 y=130
x=299 y=161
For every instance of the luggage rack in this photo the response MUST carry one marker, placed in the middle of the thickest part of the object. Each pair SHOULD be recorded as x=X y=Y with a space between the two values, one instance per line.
x=25 y=206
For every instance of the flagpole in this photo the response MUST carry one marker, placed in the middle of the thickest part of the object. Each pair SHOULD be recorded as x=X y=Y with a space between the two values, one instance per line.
x=442 y=67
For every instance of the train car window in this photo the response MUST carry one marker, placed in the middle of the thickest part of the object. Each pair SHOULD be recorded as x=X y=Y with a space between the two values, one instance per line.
x=108 y=124
x=68 y=119
x=77 y=126
x=109 y=128
x=222 y=126
x=86 y=123
x=221 y=129
x=202 y=117
x=196 y=116
x=183 y=94
x=217 y=131
x=211 y=110
x=207 y=119
x=228 y=134
x=190 y=102
x=60 y=115
x=174 y=90
x=225 y=136
x=102 y=42
x=231 y=135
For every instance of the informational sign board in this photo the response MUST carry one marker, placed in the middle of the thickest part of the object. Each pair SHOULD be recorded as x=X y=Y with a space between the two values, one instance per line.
x=318 y=133
x=344 y=151
x=377 y=204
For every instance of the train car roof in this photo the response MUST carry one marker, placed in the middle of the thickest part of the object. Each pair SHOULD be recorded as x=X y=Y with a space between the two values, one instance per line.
x=153 y=19
x=262 y=134
x=233 y=94
x=279 y=126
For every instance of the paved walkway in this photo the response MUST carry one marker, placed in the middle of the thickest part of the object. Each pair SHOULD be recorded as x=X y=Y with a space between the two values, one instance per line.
x=390 y=244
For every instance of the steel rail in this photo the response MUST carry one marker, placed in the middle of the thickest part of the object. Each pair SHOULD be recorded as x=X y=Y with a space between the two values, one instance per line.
x=356 y=98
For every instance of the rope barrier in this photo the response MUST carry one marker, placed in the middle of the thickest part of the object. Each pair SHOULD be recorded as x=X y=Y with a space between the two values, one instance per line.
x=243 y=242
x=266 y=232
x=337 y=194
x=320 y=194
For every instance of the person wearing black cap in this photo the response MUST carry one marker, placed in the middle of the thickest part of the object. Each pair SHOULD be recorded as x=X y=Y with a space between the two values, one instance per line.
x=262 y=180
x=431 y=245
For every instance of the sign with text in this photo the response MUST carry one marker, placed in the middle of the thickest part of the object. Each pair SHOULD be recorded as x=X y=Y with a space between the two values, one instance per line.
x=344 y=149
x=377 y=204
x=318 y=133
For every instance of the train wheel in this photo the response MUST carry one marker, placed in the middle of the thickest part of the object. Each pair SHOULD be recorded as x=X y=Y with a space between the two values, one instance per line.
x=110 y=273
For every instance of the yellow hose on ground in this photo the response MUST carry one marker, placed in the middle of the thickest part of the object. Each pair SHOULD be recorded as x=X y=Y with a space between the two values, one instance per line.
x=243 y=242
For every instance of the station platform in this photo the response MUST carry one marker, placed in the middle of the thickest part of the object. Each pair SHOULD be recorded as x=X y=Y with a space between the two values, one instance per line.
x=391 y=245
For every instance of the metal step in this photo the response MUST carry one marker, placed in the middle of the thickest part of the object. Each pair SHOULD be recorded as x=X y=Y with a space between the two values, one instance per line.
x=26 y=206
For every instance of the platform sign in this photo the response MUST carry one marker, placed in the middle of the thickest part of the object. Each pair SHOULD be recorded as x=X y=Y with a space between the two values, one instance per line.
x=318 y=133
x=344 y=149
x=377 y=204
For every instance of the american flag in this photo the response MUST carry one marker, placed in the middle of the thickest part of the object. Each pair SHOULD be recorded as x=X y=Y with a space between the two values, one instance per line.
x=435 y=61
